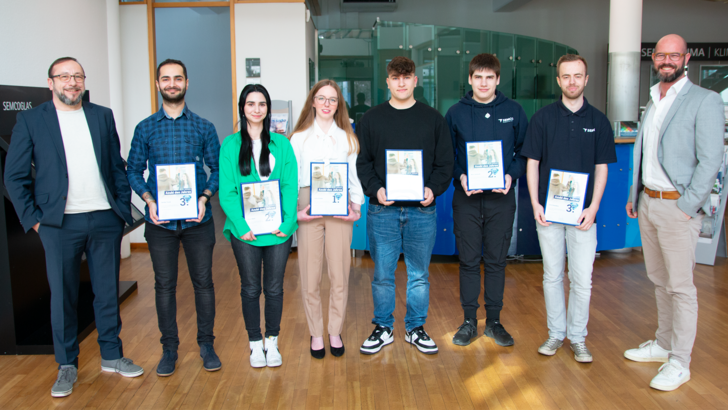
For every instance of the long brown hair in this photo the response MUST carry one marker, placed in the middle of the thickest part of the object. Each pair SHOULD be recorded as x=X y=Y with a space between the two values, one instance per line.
x=341 y=117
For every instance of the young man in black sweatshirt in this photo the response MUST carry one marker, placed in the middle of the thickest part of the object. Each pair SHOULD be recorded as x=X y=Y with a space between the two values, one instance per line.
x=484 y=219
x=402 y=124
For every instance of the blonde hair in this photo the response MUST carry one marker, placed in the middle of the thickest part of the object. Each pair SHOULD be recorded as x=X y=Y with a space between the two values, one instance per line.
x=341 y=117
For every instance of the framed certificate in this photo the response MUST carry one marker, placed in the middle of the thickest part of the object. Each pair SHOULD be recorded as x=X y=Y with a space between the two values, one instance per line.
x=485 y=165
x=329 y=188
x=405 y=181
x=262 y=205
x=176 y=192
x=565 y=197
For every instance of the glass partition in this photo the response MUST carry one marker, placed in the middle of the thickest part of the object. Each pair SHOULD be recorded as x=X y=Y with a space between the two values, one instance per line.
x=356 y=59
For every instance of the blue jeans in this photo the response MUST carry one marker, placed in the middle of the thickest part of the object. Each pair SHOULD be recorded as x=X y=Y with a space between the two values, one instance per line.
x=391 y=230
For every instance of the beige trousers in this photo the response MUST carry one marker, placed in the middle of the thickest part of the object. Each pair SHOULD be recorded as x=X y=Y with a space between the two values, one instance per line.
x=332 y=236
x=668 y=244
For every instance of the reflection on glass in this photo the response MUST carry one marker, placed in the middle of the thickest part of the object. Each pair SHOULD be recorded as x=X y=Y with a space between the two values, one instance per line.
x=356 y=59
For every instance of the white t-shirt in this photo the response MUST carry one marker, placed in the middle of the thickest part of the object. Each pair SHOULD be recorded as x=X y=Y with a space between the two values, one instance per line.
x=86 y=191
x=257 y=148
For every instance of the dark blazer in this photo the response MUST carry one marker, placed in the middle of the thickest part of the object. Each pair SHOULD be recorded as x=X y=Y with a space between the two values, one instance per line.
x=37 y=138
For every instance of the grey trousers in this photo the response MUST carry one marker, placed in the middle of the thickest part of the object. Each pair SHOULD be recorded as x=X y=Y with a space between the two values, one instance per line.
x=668 y=244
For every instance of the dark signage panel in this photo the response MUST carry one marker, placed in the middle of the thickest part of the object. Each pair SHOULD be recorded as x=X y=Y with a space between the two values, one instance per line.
x=698 y=51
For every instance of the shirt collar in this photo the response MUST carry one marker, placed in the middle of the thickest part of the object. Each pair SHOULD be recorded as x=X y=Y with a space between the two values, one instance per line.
x=161 y=114
x=675 y=89
x=332 y=131
x=566 y=112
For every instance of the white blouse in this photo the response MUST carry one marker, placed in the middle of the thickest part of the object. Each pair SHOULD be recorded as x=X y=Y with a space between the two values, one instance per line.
x=315 y=145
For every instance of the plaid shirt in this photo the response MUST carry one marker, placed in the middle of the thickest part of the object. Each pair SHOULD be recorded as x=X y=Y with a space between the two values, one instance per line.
x=161 y=139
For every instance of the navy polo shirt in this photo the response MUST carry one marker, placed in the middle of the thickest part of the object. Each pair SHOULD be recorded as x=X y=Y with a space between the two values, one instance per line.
x=571 y=141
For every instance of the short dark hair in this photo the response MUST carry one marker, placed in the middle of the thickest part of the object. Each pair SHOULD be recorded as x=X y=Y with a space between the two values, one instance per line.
x=484 y=61
x=172 y=61
x=400 y=65
x=59 y=61
x=567 y=58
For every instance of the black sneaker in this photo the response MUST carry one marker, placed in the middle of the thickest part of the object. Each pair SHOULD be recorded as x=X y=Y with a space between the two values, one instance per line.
x=381 y=336
x=421 y=340
x=466 y=332
x=167 y=363
x=495 y=330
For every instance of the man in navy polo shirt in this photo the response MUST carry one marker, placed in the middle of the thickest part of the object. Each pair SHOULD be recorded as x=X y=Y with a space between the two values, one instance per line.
x=569 y=135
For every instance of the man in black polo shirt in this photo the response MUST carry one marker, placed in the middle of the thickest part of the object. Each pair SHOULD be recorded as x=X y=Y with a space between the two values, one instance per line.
x=568 y=135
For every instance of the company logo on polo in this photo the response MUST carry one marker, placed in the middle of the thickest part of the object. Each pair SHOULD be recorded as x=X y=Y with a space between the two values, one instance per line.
x=589 y=129
x=504 y=120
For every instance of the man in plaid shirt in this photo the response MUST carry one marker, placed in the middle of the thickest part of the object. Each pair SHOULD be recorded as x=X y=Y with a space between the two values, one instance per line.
x=176 y=135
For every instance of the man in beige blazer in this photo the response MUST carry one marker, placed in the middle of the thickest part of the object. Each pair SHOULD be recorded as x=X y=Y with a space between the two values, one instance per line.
x=677 y=154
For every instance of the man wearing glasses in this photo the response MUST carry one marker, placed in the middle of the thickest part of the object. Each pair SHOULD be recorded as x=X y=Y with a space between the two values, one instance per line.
x=78 y=204
x=677 y=154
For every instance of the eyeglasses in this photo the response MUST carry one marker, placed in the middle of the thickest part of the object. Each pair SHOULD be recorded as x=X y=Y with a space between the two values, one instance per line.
x=662 y=56
x=67 y=77
x=322 y=100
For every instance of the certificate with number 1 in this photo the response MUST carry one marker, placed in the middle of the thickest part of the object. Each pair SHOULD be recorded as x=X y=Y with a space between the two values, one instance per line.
x=565 y=197
x=176 y=192
x=262 y=205
x=329 y=188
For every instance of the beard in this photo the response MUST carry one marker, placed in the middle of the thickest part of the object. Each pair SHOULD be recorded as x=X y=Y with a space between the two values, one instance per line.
x=64 y=99
x=170 y=99
x=668 y=78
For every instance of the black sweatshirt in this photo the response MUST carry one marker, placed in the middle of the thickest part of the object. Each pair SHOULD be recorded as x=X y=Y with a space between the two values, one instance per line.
x=418 y=127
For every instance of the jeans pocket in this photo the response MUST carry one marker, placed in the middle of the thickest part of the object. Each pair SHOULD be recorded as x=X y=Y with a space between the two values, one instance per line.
x=375 y=209
x=429 y=210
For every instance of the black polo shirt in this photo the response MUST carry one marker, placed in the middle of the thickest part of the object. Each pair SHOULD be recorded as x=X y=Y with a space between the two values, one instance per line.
x=571 y=141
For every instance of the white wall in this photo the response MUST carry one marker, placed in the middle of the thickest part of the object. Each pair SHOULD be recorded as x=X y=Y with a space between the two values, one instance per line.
x=35 y=33
x=275 y=33
x=135 y=75
x=582 y=24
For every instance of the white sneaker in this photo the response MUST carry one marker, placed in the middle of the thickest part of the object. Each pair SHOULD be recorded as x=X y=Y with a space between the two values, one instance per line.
x=257 y=356
x=380 y=337
x=648 y=351
x=581 y=353
x=671 y=376
x=272 y=355
x=421 y=340
x=550 y=346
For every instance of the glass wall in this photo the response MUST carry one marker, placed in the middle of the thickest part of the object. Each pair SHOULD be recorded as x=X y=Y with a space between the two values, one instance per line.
x=357 y=59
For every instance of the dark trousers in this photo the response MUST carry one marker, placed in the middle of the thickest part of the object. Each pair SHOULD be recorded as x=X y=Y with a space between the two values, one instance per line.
x=198 y=242
x=98 y=235
x=273 y=258
x=483 y=228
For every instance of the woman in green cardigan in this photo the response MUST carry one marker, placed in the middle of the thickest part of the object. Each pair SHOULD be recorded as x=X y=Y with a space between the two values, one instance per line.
x=252 y=155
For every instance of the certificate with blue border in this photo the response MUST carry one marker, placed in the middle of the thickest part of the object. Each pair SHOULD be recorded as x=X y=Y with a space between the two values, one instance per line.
x=329 y=189
x=485 y=165
x=176 y=191
x=262 y=205
x=405 y=179
x=565 y=197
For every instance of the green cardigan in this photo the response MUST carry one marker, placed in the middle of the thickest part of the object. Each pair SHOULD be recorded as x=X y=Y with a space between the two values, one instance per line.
x=285 y=170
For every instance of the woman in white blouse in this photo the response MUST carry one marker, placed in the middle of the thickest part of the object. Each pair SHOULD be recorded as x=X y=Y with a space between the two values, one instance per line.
x=324 y=134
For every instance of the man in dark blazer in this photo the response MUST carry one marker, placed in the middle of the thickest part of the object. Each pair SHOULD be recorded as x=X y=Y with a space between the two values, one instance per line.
x=78 y=204
x=677 y=155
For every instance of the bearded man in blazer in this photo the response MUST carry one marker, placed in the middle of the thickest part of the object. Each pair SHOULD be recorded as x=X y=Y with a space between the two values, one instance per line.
x=78 y=204
x=677 y=154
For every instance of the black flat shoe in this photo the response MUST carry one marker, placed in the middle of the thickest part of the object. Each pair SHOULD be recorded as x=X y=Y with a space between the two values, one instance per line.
x=318 y=354
x=337 y=351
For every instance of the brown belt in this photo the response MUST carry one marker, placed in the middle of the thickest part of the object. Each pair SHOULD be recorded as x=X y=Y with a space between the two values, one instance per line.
x=662 y=194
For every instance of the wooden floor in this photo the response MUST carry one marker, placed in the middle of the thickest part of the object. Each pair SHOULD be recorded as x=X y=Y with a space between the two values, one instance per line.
x=482 y=375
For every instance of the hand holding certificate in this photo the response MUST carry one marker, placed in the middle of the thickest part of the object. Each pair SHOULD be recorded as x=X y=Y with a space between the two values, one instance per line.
x=329 y=188
x=262 y=206
x=565 y=197
x=176 y=192
x=485 y=165
x=405 y=181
